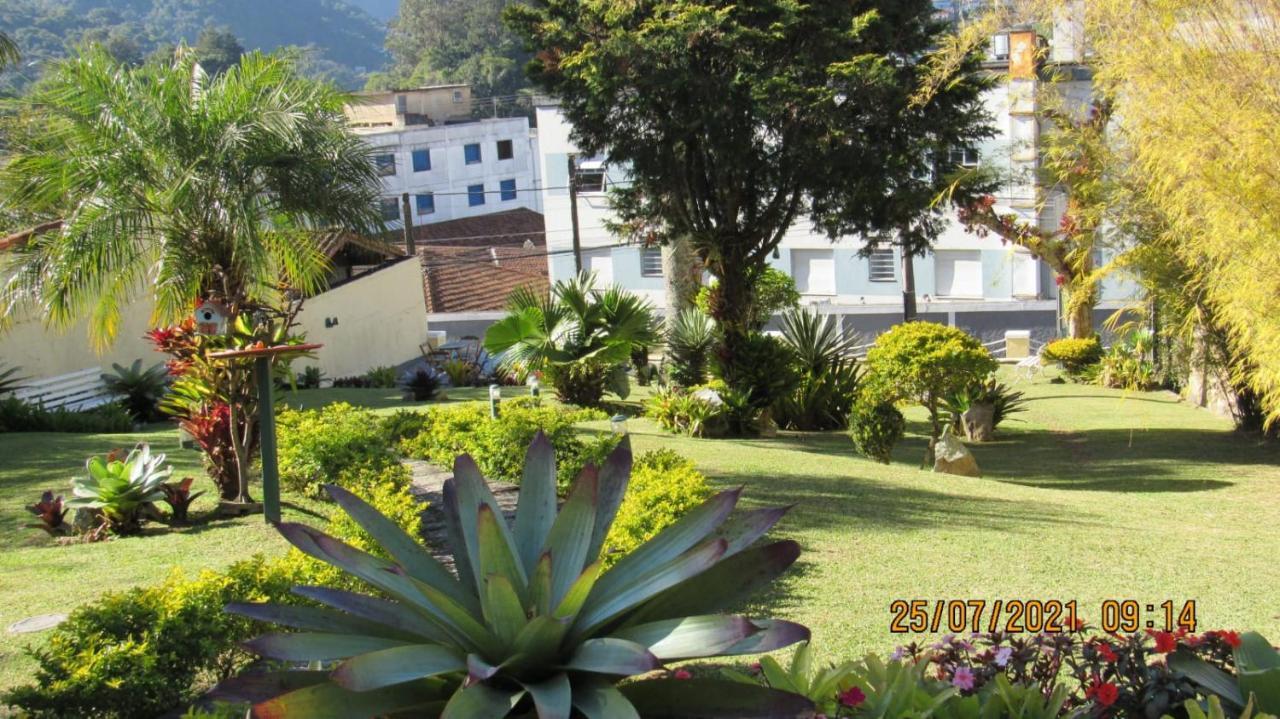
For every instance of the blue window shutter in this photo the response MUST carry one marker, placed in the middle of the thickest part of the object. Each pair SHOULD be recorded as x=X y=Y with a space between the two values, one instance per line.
x=421 y=160
x=508 y=188
x=471 y=153
x=475 y=195
x=426 y=204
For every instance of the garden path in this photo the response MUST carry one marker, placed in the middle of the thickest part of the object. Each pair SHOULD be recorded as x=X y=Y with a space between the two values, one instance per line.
x=427 y=485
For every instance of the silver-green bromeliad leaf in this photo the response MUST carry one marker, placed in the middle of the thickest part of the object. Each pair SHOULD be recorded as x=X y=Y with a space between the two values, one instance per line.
x=532 y=624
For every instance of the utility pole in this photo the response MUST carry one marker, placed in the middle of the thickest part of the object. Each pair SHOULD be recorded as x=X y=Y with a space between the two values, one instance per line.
x=573 y=212
x=410 y=247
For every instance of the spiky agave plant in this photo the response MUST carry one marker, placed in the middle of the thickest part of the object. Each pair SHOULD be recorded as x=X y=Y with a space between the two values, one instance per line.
x=530 y=626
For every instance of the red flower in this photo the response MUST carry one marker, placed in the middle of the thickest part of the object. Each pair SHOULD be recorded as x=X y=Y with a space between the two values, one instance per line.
x=1059 y=280
x=852 y=696
x=682 y=674
x=1165 y=642
x=1105 y=693
x=1104 y=651
x=1231 y=638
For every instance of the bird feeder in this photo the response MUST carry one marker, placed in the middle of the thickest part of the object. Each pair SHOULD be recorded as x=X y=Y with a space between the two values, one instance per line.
x=211 y=318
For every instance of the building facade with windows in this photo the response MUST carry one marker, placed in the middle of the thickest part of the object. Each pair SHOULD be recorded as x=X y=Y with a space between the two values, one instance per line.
x=427 y=145
x=975 y=282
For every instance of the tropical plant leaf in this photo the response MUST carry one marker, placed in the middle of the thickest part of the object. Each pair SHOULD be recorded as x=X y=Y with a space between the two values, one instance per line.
x=713 y=698
x=396 y=665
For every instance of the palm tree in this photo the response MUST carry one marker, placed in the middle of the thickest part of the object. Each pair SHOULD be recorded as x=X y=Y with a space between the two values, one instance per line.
x=580 y=336
x=9 y=54
x=158 y=179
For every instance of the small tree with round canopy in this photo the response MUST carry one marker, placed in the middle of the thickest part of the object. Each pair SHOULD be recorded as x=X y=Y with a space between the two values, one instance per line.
x=925 y=362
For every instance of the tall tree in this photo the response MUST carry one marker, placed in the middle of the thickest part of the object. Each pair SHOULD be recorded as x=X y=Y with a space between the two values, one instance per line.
x=1077 y=164
x=928 y=133
x=438 y=41
x=729 y=116
x=217 y=49
x=143 y=194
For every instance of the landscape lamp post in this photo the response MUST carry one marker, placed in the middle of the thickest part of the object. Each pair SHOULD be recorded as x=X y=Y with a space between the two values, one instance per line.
x=495 y=398
x=618 y=423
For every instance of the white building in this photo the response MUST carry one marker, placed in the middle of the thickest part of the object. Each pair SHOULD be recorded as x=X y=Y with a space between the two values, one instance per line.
x=449 y=164
x=975 y=282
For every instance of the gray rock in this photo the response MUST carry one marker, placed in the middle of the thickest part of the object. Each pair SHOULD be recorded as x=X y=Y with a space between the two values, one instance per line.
x=36 y=624
x=952 y=457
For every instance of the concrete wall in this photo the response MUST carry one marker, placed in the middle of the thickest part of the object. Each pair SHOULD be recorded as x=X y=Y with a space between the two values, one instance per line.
x=42 y=352
x=381 y=320
x=373 y=110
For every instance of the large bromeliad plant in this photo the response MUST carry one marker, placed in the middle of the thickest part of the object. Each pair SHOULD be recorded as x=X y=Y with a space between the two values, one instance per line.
x=530 y=625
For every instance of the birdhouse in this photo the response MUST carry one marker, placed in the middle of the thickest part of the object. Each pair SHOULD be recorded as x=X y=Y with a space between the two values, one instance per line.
x=211 y=318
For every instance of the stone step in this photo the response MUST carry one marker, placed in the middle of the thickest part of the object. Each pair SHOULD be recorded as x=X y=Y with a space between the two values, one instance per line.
x=428 y=486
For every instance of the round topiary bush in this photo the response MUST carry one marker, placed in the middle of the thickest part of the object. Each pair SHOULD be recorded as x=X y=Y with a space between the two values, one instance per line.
x=1075 y=355
x=925 y=362
x=875 y=428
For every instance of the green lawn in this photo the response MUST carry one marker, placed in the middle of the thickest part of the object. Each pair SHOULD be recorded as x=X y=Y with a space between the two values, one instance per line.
x=1096 y=494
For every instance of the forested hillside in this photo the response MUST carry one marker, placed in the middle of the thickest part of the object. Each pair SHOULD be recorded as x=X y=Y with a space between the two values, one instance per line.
x=346 y=41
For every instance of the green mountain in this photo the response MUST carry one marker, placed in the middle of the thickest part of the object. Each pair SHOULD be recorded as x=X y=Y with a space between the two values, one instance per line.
x=381 y=10
x=345 y=41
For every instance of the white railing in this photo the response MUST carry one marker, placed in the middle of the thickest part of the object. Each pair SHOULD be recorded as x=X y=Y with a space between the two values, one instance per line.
x=74 y=391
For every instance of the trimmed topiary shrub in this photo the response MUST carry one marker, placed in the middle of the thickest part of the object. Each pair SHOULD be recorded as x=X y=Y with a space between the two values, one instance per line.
x=925 y=362
x=1075 y=355
x=876 y=428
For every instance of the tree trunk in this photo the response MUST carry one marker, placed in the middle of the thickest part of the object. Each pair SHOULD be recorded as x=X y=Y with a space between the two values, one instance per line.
x=682 y=276
x=1079 y=319
x=935 y=431
x=908 y=287
x=731 y=305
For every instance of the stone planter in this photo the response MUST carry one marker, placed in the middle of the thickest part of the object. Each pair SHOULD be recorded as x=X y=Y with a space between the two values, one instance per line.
x=979 y=422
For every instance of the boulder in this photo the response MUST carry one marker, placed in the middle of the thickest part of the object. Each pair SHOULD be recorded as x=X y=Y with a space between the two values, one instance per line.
x=952 y=457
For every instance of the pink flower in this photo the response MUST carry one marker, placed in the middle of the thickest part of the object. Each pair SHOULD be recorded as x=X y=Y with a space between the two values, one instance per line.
x=755 y=667
x=852 y=697
x=682 y=674
x=1003 y=654
x=963 y=678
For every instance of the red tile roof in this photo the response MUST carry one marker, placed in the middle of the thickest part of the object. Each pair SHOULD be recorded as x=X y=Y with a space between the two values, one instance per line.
x=472 y=264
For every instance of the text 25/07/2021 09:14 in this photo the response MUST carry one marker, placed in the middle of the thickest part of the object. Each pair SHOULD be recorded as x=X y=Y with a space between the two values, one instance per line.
x=1014 y=616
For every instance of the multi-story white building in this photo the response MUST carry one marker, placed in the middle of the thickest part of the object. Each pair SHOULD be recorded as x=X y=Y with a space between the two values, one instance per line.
x=974 y=282
x=450 y=164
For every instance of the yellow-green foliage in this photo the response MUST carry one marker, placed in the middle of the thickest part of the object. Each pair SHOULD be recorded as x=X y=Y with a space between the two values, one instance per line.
x=664 y=486
x=143 y=652
x=1074 y=354
x=923 y=361
x=1195 y=82
x=316 y=446
x=498 y=446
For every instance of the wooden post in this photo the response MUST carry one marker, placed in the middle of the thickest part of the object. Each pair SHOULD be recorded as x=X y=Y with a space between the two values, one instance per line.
x=267 y=434
x=573 y=212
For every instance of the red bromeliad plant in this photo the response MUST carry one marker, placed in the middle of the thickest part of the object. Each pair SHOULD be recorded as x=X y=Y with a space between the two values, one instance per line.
x=51 y=512
x=178 y=496
x=215 y=401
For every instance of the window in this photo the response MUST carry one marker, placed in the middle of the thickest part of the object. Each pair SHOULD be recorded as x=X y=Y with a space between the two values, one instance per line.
x=421 y=160
x=475 y=195
x=650 y=262
x=880 y=265
x=402 y=104
x=959 y=273
x=963 y=156
x=508 y=188
x=471 y=153
x=390 y=209
x=505 y=150
x=426 y=203
x=386 y=164
x=591 y=180
x=457 y=96
x=815 y=271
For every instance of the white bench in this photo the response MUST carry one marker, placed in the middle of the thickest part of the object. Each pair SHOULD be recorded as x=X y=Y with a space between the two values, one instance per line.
x=74 y=391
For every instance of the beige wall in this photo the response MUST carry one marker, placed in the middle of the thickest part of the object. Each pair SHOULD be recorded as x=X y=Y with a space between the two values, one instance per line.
x=378 y=109
x=42 y=352
x=382 y=320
